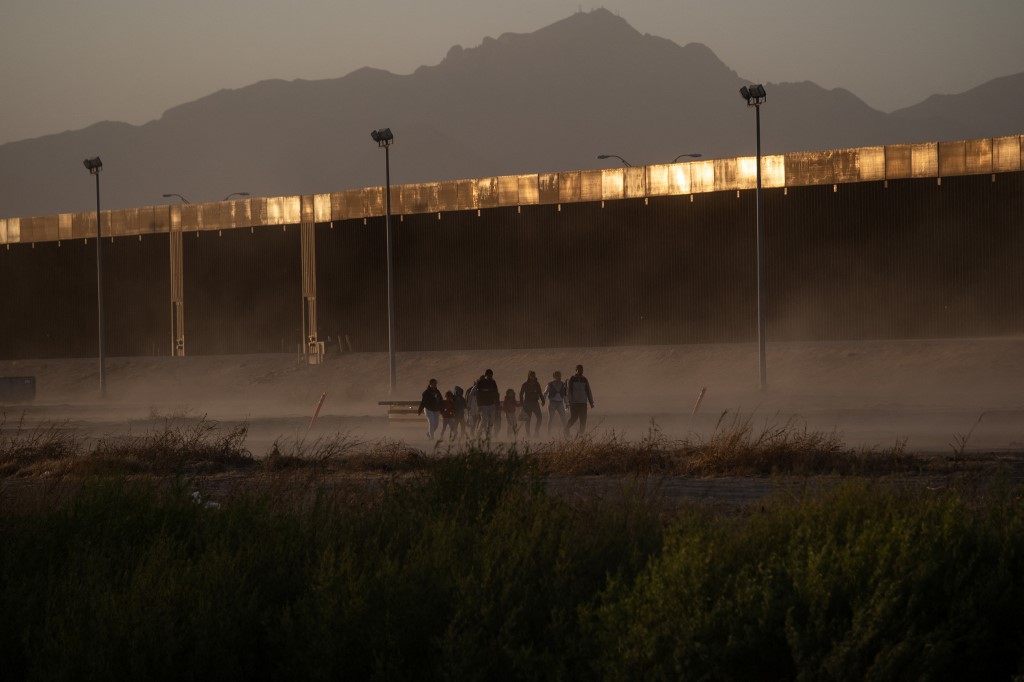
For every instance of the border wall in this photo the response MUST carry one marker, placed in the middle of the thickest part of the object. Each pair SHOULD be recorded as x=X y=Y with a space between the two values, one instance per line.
x=891 y=242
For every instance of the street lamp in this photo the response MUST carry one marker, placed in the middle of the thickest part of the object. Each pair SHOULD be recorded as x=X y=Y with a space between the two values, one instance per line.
x=183 y=199
x=94 y=166
x=614 y=156
x=235 y=194
x=384 y=138
x=755 y=96
x=627 y=163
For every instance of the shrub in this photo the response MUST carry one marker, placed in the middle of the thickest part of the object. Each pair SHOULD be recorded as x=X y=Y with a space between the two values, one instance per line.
x=467 y=569
x=863 y=583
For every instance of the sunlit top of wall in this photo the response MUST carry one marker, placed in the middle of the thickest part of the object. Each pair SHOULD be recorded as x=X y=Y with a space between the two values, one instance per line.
x=863 y=164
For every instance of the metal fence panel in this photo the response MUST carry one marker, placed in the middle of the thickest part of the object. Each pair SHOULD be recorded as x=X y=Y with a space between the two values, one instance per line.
x=568 y=187
x=529 y=189
x=1006 y=154
x=242 y=291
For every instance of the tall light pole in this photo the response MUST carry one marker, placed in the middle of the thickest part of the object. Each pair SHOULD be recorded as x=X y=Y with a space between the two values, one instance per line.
x=383 y=138
x=755 y=96
x=94 y=165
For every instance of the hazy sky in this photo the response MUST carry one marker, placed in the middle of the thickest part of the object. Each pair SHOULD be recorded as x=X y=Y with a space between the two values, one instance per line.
x=65 y=64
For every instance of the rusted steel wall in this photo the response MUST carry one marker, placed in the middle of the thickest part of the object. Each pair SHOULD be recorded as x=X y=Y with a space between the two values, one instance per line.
x=243 y=291
x=908 y=258
x=48 y=301
x=351 y=283
x=48 y=307
x=911 y=259
x=914 y=257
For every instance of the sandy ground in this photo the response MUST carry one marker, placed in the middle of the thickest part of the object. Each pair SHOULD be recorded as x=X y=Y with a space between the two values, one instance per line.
x=872 y=393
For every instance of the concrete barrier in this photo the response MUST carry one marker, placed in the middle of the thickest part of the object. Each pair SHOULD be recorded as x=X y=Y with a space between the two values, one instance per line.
x=17 y=389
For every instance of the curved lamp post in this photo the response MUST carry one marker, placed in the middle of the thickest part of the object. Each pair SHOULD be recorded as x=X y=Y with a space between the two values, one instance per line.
x=186 y=201
x=383 y=137
x=755 y=96
x=614 y=156
x=627 y=163
x=94 y=166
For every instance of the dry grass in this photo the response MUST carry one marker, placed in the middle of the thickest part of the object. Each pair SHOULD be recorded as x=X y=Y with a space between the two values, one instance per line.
x=738 y=446
x=25 y=448
x=179 y=445
x=343 y=452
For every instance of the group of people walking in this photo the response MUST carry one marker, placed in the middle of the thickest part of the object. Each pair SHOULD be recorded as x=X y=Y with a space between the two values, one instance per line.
x=479 y=411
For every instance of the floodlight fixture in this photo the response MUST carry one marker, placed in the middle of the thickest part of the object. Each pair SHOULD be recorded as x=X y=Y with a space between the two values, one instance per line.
x=615 y=156
x=754 y=94
x=94 y=165
x=382 y=136
x=183 y=199
x=692 y=156
x=235 y=194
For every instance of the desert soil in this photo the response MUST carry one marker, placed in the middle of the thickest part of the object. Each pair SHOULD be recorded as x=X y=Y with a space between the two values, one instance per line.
x=934 y=395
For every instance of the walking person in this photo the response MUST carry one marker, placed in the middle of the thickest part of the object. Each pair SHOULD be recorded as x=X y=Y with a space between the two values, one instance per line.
x=510 y=408
x=487 y=400
x=531 y=395
x=460 y=411
x=578 y=389
x=472 y=408
x=431 y=403
x=556 y=394
x=448 y=416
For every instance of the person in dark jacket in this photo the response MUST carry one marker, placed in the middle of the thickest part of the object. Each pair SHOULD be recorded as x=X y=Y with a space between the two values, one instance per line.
x=531 y=395
x=473 y=408
x=579 y=396
x=487 y=400
x=431 y=403
x=460 y=410
x=448 y=416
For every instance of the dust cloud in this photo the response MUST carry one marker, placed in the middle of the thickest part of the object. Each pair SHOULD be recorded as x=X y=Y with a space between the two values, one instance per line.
x=872 y=393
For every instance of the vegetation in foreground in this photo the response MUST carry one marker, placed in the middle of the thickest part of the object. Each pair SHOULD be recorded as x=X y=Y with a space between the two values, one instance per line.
x=458 y=564
x=467 y=569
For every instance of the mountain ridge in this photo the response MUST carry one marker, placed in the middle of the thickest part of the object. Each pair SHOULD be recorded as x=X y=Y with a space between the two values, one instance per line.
x=545 y=101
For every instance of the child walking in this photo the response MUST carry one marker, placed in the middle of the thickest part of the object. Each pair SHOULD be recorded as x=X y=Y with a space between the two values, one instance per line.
x=460 y=411
x=509 y=407
x=448 y=422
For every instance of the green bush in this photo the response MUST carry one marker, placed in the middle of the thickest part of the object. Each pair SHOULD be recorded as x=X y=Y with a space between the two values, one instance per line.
x=860 y=584
x=468 y=569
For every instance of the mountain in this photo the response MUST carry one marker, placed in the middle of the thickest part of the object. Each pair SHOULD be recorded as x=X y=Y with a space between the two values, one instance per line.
x=550 y=100
x=997 y=105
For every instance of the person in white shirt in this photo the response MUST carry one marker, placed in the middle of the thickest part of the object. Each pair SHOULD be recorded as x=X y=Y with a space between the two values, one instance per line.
x=555 y=393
